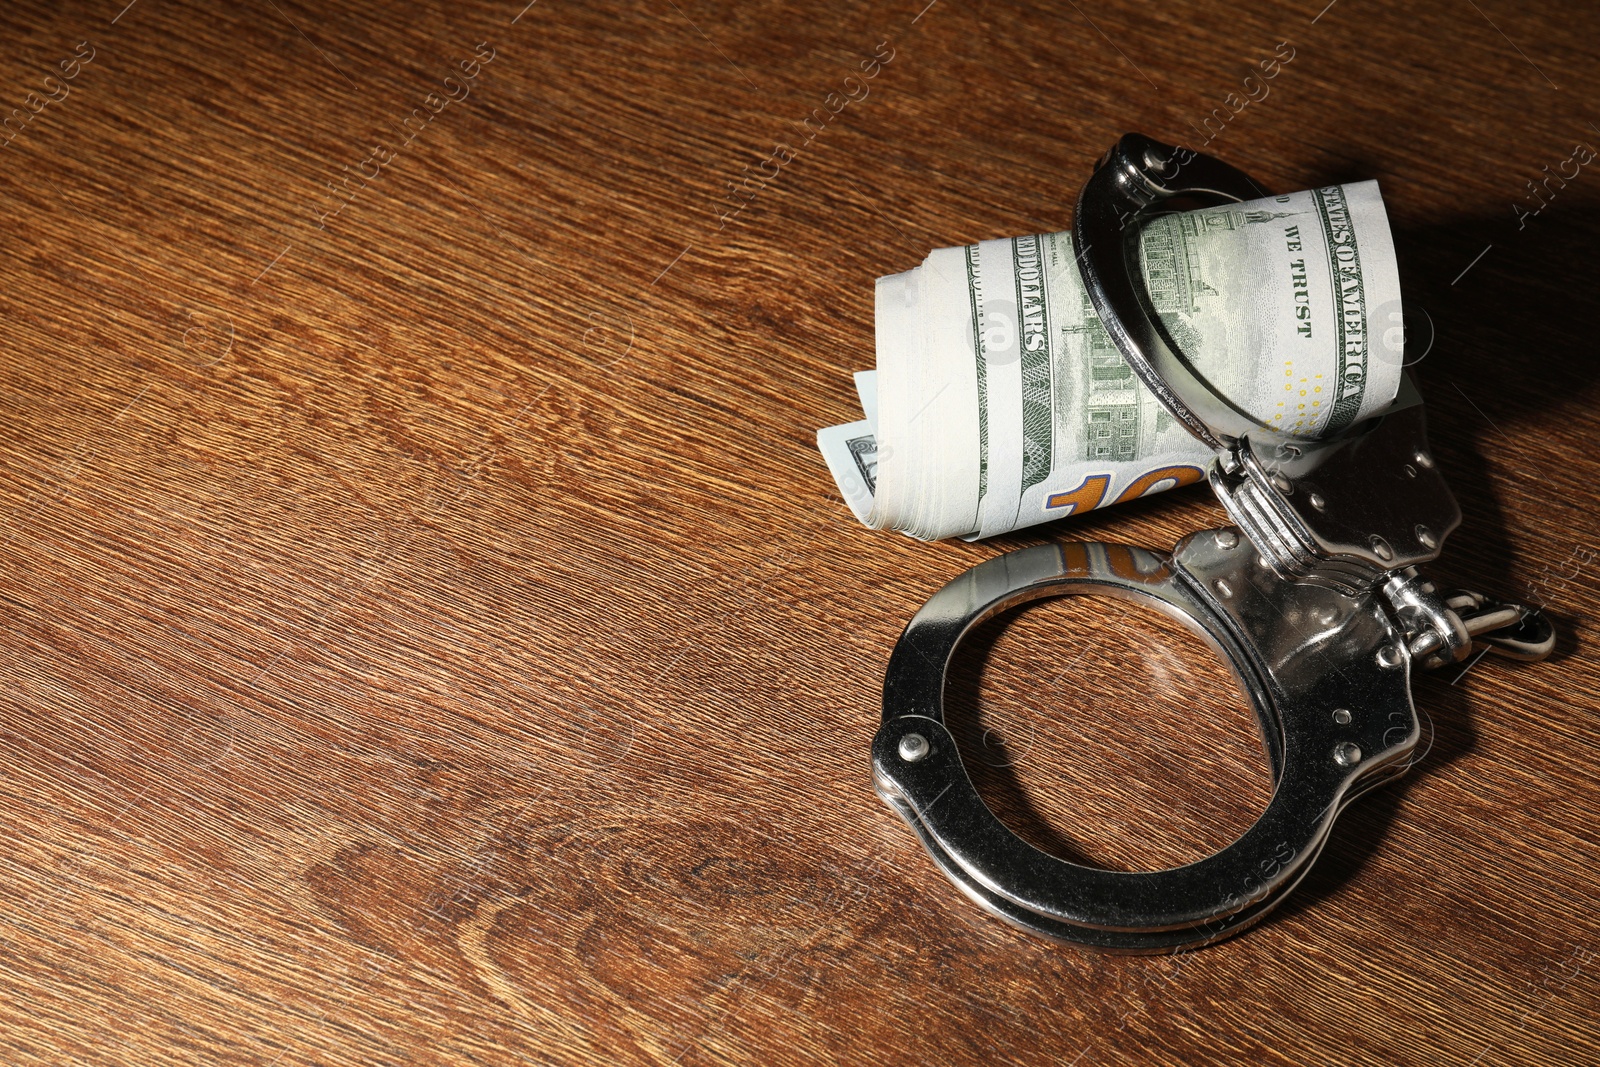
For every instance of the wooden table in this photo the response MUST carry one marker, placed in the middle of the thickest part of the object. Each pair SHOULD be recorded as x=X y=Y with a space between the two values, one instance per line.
x=431 y=636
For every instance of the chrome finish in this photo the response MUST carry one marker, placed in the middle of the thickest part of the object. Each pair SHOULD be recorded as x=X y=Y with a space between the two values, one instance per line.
x=1134 y=176
x=1363 y=509
x=1347 y=753
x=913 y=747
x=1314 y=601
x=1294 y=678
x=1514 y=631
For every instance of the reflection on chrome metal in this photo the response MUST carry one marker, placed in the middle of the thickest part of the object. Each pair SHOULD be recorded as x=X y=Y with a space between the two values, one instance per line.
x=1321 y=618
x=1133 y=177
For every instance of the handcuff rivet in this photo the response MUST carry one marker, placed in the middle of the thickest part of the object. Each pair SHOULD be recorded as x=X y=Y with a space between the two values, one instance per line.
x=1341 y=716
x=1227 y=539
x=1381 y=549
x=1347 y=753
x=1423 y=459
x=913 y=747
x=1425 y=535
x=1224 y=590
x=1158 y=162
x=1317 y=501
x=1388 y=656
x=1283 y=484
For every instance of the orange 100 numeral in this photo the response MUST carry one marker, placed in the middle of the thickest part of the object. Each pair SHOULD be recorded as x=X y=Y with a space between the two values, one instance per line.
x=1091 y=494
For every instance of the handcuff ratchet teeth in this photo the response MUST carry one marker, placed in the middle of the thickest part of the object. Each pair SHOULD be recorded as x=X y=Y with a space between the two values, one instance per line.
x=1312 y=598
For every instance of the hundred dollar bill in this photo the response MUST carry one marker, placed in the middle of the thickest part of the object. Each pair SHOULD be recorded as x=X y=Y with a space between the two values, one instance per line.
x=851 y=451
x=999 y=400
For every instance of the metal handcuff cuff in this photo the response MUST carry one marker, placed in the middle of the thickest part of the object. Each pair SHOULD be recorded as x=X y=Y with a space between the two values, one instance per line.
x=1312 y=598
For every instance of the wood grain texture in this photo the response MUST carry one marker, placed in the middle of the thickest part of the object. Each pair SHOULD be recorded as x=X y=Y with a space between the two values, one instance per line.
x=430 y=635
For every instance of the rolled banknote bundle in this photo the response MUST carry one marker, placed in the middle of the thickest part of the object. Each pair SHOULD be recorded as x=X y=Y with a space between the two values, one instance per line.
x=999 y=401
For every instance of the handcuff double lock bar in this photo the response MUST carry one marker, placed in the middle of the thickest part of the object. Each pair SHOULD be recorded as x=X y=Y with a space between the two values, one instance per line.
x=1312 y=598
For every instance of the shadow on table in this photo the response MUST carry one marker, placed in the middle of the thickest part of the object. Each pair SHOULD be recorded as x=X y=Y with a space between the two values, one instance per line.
x=1509 y=375
x=1509 y=380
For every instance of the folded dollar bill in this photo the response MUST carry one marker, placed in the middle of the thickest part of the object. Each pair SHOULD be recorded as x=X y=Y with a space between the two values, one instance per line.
x=999 y=401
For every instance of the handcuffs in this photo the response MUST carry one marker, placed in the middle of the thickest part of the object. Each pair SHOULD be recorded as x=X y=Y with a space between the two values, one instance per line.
x=1312 y=598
